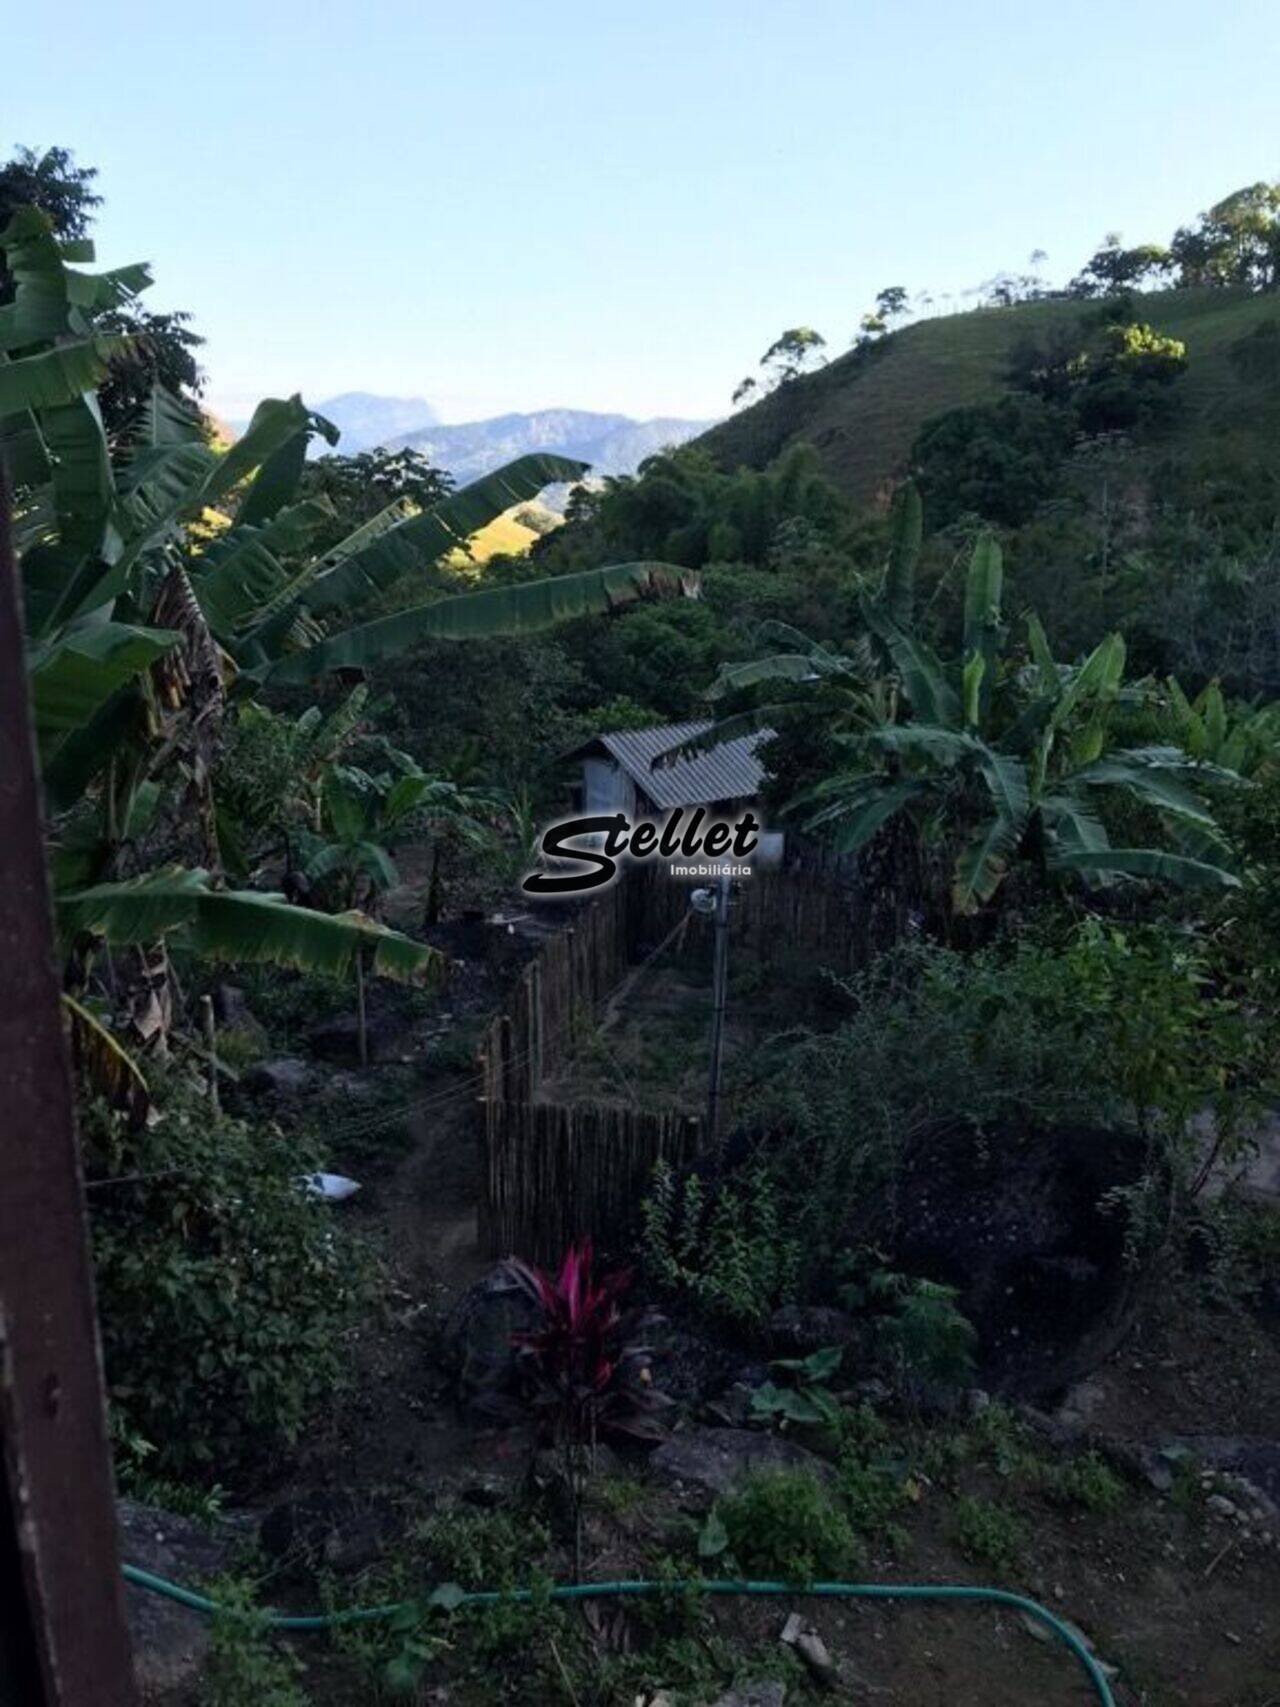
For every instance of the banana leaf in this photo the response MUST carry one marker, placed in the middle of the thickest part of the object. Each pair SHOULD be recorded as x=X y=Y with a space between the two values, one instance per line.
x=906 y=524
x=73 y=677
x=522 y=609
x=420 y=540
x=1151 y=863
x=59 y=375
x=241 y=925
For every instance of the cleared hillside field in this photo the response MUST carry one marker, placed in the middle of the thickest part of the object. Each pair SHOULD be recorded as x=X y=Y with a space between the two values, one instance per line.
x=863 y=411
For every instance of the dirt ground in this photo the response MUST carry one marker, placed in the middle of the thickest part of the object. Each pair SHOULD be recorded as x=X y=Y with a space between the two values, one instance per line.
x=1179 y=1597
x=1169 y=1592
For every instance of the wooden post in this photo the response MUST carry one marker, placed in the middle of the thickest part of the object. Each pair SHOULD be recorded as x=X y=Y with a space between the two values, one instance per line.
x=63 y=1639
x=362 y=1032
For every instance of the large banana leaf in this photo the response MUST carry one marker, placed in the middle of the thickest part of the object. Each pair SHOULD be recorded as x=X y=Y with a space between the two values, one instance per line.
x=523 y=609
x=83 y=488
x=59 y=375
x=421 y=540
x=906 y=526
x=73 y=677
x=860 y=808
x=242 y=580
x=241 y=925
x=982 y=597
x=1152 y=863
x=38 y=312
x=982 y=863
x=924 y=680
x=783 y=666
x=1148 y=783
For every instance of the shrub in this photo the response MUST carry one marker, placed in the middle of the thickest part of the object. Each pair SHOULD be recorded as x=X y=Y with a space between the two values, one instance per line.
x=723 y=1246
x=246 y=1668
x=989 y=1532
x=782 y=1524
x=585 y=1372
x=224 y=1289
x=1087 y=1481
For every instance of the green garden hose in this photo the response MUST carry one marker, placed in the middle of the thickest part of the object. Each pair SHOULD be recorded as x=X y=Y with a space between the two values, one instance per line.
x=608 y=1590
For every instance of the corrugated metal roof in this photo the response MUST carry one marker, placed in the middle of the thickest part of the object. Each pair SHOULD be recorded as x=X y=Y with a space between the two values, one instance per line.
x=730 y=771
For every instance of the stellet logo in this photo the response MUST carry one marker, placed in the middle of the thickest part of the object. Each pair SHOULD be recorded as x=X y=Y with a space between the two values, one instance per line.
x=605 y=838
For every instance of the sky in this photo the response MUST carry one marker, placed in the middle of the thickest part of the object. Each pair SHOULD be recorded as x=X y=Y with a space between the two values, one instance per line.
x=611 y=206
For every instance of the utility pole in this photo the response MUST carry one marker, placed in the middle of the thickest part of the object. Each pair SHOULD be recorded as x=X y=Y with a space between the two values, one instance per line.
x=719 y=986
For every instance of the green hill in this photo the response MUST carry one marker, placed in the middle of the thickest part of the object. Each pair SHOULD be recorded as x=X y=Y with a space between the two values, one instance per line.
x=863 y=411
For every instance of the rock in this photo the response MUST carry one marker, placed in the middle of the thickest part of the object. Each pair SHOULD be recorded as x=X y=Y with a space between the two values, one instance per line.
x=170 y=1642
x=799 y=1634
x=1220 y=1506
x=798 y=1329
x=339 y=1039
x=1254 y=1457
x=1081 y=1403
x=762 y=1694
x=284 y=1078
x=711 y=1461
x=476 y=1342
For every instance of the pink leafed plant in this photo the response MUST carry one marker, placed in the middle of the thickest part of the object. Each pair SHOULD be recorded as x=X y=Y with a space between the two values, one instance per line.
x=584 y=1370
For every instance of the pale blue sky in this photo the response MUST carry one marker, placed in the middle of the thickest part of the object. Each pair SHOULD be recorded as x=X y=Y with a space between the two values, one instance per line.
x=511 y=206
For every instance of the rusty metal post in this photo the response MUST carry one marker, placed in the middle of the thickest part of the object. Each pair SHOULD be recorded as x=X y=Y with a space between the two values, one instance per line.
x=64 y=1622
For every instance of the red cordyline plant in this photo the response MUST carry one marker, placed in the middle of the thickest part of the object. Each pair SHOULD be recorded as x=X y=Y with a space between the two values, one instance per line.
x=584 y=1370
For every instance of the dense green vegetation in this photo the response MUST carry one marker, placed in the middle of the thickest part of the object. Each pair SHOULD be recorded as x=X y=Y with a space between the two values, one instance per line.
x=1003 y=589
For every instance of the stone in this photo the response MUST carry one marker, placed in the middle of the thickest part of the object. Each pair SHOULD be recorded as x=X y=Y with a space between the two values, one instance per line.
x=477 y=1339
x=284 y=1078
x=799 y=1634
x=1081 y=1403
x=765 y=1693
x=170 y=1642
x=711 y=1461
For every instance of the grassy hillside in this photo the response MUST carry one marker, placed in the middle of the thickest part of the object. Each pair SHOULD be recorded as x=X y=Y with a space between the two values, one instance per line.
x=863 y=412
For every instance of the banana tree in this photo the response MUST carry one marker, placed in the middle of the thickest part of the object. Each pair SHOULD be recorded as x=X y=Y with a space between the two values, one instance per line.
x=1245 y=738
x=139 y=626
x=1013 y=761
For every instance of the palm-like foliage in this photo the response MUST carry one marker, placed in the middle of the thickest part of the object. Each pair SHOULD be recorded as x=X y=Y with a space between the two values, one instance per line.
x=138 y=626
x=1244 y=738
x=1012 y=759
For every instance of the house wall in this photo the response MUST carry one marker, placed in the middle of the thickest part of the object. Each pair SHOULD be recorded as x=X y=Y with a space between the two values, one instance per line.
x=606 y=787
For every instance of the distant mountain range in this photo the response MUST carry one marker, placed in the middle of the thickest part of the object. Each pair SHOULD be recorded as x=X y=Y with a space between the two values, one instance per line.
x=612 y=444
x=366 y=420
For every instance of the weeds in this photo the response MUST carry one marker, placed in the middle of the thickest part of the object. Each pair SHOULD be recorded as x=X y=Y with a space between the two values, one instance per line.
x=989 y=1532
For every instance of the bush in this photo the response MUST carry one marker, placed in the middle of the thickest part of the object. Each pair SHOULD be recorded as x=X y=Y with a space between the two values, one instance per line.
x=1087 y=1481
x=989 y=1532
x=224 y=1290
x=246 y=1667
x=782 y=1524
x=722 y=1247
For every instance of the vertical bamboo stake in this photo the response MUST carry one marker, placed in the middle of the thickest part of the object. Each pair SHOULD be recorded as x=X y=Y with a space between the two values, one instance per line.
x=362 y=1034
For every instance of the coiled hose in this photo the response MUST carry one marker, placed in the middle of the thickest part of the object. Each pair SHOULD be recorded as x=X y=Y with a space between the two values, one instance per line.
x=612 y=1590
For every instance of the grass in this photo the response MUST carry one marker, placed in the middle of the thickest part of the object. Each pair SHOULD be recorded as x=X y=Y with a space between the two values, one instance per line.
x=864 y=410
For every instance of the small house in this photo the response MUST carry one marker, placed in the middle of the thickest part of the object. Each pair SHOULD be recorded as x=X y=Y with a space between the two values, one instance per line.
x=620 y=773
